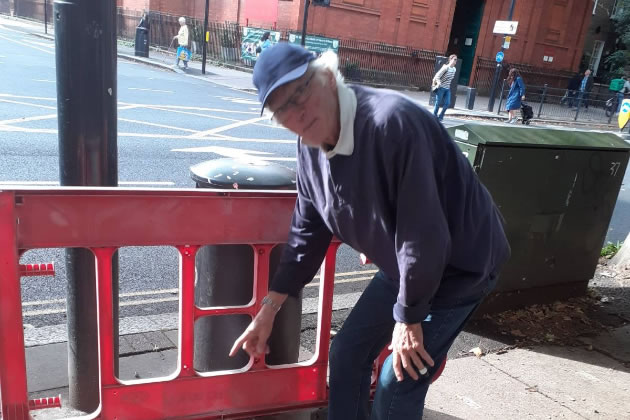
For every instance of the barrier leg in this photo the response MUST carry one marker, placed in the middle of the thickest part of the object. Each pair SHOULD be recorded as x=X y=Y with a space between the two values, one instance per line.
x=13 y=389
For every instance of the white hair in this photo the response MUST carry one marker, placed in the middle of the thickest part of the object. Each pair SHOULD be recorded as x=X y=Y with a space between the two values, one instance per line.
x=182 y=20
x=328 y=61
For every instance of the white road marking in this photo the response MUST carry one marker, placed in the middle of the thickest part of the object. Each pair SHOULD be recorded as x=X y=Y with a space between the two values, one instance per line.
x=44 y=81
x=189 y=108
x=25 y=44
x=28 y=104
x=152 y=90
x=232 y=152
x=27 y=119
x=228 y=127
x=157 y=125
x=38 y=98
x=12 y=128
x=237 y=100
x=40 y=43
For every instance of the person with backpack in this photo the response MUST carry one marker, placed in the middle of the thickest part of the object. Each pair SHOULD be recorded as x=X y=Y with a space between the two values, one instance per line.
x=515 y=95
x=442 y=86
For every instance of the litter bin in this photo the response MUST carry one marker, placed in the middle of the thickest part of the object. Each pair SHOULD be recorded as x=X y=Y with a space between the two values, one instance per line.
x=142 y=37
x=556 y=190
x=225 y=274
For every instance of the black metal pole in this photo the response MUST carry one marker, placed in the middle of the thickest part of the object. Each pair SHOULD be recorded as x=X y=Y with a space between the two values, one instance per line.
x=85 y=44
x=305 y=21
x=204 y=48
x=46 y=16
x=542 y=100
x=499 y=67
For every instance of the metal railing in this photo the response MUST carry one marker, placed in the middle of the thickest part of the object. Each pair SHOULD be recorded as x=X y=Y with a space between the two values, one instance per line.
x=550 y=103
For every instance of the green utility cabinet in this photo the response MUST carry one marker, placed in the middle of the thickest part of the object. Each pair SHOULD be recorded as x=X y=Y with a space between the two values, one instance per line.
x=556 y=190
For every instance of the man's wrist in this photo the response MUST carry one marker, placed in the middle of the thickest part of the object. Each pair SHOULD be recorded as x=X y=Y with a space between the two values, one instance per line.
x=271 y=303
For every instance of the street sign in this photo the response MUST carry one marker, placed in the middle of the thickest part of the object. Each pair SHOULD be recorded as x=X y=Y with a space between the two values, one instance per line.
x=251 y=40
x=624 y=113
x=506 y=27
x=317 y=44
x=499 y=56
x=506 y=43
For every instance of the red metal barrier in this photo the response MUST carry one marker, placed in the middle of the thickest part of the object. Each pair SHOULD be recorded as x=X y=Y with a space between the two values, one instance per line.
x=104 y=220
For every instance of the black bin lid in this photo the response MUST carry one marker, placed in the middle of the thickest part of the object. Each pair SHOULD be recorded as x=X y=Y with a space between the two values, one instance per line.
x=229 y=173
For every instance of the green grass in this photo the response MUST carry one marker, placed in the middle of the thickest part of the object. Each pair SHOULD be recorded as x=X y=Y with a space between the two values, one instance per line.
x=610 y=249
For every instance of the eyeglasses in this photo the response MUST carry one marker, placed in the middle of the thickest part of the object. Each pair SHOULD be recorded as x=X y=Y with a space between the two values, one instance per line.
x=298 y=98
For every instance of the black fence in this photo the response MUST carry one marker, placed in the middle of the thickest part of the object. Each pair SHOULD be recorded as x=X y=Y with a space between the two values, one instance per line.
x=486 y=68
x=550 y=103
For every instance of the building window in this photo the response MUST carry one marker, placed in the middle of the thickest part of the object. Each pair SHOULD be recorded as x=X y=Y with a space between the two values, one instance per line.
x=598 y=48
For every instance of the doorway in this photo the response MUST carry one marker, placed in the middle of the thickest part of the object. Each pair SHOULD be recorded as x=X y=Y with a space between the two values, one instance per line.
x=464 y=34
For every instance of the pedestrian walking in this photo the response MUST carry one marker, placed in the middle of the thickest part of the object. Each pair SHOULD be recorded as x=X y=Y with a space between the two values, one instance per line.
x=515 y=95
x=585 y=90
x=183 y=39
x=442 y=80
x=380 y=173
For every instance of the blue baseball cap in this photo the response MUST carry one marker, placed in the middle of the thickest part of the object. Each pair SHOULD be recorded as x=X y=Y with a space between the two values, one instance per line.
x=278 y=65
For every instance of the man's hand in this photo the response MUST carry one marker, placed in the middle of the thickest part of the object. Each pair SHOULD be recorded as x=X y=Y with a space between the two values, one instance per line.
x=408 y=350
x=254 y=339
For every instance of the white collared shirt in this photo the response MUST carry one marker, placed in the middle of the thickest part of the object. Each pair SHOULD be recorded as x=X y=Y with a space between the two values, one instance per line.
x=347 y=112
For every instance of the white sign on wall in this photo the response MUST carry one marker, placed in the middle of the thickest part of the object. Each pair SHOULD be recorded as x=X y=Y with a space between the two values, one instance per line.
x=506 y=27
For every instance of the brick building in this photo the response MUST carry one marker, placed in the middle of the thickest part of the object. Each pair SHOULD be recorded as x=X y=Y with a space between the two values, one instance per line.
x=551 y=33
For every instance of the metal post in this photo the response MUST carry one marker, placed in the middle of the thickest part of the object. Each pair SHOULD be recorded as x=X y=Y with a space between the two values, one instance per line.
x=501 y=97
x=204 y=48
x=542 y=100
x=85 y=44
x=305 y=21
x=497 y=71
x=46 y=16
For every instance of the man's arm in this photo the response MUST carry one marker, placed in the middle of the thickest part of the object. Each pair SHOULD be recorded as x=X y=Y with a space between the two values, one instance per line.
x=422 y=235
x=305 y=250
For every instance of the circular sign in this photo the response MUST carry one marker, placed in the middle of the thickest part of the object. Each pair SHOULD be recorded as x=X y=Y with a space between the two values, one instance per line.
x=499 y=56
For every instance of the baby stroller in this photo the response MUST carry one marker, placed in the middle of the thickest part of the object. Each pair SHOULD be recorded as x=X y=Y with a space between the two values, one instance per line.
x=527 y=113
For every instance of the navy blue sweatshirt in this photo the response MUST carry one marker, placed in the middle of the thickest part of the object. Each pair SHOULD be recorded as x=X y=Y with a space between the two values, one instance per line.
x=408 y=199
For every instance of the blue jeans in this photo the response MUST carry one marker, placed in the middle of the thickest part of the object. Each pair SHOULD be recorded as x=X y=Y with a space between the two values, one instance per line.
x=366 y=331
x=442 y=94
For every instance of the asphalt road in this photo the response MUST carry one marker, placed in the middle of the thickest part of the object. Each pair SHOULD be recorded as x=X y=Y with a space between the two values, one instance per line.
x=167 y=122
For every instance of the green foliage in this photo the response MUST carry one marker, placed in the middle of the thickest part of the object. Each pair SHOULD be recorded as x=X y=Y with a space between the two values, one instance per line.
x=620 y=59
x=610 y=249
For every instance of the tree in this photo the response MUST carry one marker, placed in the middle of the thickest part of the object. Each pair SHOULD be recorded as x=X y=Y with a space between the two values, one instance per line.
x=620 y=59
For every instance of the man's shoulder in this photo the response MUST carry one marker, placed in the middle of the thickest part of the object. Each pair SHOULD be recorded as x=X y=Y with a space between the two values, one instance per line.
x=381 y=106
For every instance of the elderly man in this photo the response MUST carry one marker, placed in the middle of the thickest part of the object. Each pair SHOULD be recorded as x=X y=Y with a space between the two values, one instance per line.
x=586 y=85
x=381 y=174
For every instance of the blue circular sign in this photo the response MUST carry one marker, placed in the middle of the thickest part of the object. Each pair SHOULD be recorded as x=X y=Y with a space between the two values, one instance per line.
x=499 y=56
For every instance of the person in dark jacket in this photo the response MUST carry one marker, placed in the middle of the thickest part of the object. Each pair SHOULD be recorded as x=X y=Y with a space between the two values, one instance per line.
x=380 y=173
x=586 y=85
x=572 y=89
